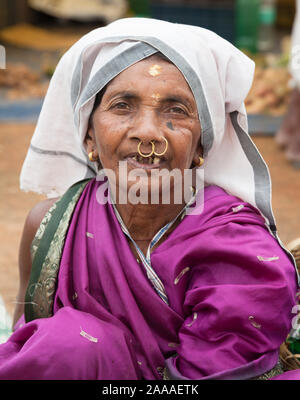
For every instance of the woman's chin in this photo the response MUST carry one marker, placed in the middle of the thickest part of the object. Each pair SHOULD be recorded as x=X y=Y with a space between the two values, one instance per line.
x=146 y=190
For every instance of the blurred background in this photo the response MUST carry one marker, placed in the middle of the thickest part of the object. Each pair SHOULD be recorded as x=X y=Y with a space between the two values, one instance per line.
x=35 y=33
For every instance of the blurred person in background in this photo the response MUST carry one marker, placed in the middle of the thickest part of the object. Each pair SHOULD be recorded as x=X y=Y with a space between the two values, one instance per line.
x=288 y=137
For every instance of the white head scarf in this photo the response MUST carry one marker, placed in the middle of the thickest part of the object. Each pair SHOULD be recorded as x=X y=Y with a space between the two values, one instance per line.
x=218 y=74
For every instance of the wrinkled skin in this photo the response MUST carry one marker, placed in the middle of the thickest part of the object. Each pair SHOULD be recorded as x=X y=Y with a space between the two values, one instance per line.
x=149 y=102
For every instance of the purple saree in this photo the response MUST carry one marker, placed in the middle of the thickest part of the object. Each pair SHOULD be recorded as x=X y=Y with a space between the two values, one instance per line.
x=231 y=289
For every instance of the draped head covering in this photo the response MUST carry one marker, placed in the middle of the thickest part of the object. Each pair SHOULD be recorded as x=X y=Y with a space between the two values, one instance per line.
x=218 y=74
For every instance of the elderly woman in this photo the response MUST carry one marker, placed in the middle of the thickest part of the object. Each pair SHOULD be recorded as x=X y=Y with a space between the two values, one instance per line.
x=199 y=288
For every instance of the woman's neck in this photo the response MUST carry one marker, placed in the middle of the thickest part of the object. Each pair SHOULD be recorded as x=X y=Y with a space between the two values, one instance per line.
x=143 y=221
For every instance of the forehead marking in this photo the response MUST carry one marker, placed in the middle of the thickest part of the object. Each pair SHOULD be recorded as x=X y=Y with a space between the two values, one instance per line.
x=155 y=70
x=155 y=96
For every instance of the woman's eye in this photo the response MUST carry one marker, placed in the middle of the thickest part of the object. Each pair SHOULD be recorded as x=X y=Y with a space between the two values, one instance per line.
x=177 y=110
x=121 y=105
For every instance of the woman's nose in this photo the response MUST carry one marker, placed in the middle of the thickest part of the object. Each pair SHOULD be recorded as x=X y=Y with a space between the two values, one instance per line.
x=146 y=127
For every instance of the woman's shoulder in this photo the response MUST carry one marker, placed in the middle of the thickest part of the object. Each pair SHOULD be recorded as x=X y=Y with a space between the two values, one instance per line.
x=219 y=203
x=37 y=213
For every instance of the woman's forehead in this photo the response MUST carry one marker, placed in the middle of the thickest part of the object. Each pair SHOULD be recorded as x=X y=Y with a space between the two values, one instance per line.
x=151 y=73
x=153 y=65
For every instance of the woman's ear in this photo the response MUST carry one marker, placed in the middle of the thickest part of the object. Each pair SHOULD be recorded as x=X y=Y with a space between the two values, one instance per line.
x=90 y=146
x=197 y=155
x=89 y=140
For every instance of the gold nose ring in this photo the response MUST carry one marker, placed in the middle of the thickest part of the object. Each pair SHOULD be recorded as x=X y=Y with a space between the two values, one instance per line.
x=164 y=152
x=145 y=155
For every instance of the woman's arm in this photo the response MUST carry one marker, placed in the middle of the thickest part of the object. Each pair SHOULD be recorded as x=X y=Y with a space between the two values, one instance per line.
x=238 y=305
x=31 y=225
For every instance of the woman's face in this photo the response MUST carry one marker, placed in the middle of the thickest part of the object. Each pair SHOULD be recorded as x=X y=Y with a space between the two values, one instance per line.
x=148 y=102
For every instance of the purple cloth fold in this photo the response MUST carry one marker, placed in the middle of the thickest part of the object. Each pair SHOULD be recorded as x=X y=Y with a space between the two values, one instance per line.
x=231 y=289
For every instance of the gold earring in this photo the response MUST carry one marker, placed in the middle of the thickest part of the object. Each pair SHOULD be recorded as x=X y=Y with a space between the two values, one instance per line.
x=91 y=156
x=201 y=161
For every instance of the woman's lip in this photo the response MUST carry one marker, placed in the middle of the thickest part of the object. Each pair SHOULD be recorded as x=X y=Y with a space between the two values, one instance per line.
x=136 y=164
